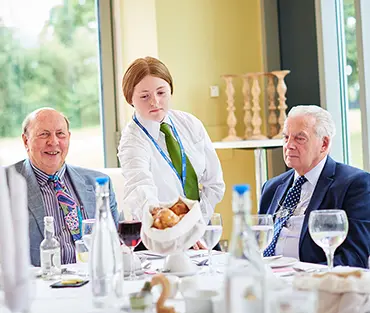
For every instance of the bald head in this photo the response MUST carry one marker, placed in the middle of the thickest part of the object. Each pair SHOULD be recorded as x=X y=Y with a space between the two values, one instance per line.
x=32 y=116
x=46 y=139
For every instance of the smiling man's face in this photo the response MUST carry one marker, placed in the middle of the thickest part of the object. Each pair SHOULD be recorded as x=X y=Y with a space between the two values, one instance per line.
x=47 y=141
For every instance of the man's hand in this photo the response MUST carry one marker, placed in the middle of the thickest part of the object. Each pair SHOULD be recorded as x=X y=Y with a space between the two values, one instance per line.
x=199 y=246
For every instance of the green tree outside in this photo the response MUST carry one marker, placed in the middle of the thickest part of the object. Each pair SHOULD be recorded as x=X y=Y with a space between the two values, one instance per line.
x=60 y=71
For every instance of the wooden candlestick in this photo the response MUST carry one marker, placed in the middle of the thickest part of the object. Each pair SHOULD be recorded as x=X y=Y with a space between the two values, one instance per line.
x=256 y=119
x=231 y=119
x=272 y=119
x=281 y=89
x=247 y=108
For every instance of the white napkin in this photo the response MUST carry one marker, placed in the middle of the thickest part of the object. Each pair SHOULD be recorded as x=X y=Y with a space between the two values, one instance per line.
x=177 y=238
x=347 y=294
x=14 y=240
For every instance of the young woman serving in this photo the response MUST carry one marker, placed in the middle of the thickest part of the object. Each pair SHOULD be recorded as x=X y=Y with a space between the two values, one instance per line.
x=165 y=153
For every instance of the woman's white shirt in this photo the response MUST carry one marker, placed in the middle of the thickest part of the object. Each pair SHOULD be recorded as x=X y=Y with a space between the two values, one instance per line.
x=149 y=179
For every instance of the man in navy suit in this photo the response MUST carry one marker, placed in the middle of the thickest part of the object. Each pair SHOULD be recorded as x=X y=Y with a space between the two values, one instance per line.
x=325 y=184
x=46 y=138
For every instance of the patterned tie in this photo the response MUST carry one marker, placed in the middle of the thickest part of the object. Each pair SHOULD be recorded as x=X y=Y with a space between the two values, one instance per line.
x=72 y=214
x=173 y=147
x=291 y=201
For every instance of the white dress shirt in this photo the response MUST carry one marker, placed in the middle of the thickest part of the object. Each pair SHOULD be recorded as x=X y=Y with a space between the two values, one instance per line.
x=288 y=242
x=149 y=179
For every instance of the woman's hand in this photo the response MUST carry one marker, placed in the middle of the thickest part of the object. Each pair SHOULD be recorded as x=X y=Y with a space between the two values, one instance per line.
x=199 y=246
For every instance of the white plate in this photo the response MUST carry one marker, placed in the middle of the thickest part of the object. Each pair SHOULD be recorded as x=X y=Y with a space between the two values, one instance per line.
x=182 y=274
x=150 y=255
x=137 y=272
x=272 y=258
x=282 y=262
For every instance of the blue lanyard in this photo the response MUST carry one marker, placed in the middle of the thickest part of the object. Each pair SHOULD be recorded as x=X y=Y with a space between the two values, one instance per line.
x=182 y=178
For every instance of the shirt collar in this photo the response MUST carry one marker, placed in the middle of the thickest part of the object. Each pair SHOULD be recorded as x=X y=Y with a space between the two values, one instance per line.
x=43 y=178
x=152 y=127
x=314 y=174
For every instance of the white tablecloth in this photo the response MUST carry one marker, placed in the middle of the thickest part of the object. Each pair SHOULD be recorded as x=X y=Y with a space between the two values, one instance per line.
x=78 y=300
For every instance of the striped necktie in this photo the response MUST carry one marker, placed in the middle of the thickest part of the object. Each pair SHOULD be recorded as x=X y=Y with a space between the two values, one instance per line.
x=173 y=148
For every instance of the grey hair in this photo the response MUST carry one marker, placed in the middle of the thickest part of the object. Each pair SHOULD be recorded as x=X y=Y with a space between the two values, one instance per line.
x=324 y=125
x=30 y=117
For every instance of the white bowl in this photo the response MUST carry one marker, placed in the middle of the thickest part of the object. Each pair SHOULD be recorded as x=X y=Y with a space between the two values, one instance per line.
x=179 y=263
x=200 y=301
x=188 y=283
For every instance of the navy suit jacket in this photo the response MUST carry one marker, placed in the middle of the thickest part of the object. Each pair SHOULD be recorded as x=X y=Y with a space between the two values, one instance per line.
x=83 y=181
x=339 y=186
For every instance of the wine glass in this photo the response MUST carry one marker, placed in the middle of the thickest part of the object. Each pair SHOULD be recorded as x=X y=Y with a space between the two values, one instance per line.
x=129 y=233
x=86 y=231
x=328 y=229
x=212 y=236
x=263 y=227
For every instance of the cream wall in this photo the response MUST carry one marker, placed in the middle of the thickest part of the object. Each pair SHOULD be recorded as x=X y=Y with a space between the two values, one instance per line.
x=199 y=40
x=135 y=26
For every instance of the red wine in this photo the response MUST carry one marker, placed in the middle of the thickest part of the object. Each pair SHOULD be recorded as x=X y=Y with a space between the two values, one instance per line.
x=129 y=232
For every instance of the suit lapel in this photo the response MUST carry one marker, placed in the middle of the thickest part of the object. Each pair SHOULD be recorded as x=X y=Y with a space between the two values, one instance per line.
x=84 y=191
x=323 y=184
x=279 y=193
x=35 y=206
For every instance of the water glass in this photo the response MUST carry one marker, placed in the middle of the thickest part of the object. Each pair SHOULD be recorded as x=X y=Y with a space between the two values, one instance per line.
x=212 y=236
x=328 y=229
x=82 y=253
x=86 y=231
x=263 y=228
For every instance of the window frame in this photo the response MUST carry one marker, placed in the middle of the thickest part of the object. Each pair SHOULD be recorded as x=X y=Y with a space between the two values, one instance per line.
x=107 y=79
x=363 y=55
x=333 y=83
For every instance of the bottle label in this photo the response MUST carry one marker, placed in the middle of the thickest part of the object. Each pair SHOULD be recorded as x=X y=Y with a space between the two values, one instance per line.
x=50 y=261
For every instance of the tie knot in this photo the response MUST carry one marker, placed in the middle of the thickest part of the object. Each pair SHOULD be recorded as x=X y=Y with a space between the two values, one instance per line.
x=300 y=181
x=166 y=129
x=53 y=178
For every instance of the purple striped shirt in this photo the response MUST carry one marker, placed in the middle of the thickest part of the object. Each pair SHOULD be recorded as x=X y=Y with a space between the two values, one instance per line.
x=52 y=208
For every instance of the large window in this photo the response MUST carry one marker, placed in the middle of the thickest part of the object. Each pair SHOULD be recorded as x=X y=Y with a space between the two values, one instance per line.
x=354 y=112
x=50 y=56
x=343 y=31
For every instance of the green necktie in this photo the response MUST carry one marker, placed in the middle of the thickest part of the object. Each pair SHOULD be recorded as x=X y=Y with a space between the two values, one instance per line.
x=173 y=147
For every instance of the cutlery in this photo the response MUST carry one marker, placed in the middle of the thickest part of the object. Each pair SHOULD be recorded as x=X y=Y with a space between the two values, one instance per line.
x=146 y=265
x=272 y=258
x=306 y=270
x=201 y=262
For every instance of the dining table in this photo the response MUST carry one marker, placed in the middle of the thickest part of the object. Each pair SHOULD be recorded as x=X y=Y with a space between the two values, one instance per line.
x=45 y=299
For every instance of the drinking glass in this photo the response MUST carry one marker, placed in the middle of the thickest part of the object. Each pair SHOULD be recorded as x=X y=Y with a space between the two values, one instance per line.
x=263 y=228
x=328 y=229
x=212 y=236
x=82 y=253
x=87 y=229
x=290 y=300
x=129 y=233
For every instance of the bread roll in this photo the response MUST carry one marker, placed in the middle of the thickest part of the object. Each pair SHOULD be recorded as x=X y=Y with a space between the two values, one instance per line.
x=179 y=208
x=155 y=211
x=165 y=218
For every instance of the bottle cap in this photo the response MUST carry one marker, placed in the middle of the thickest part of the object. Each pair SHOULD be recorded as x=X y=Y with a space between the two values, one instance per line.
x=101 y=180
x=241 y=189
x=48 y=219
